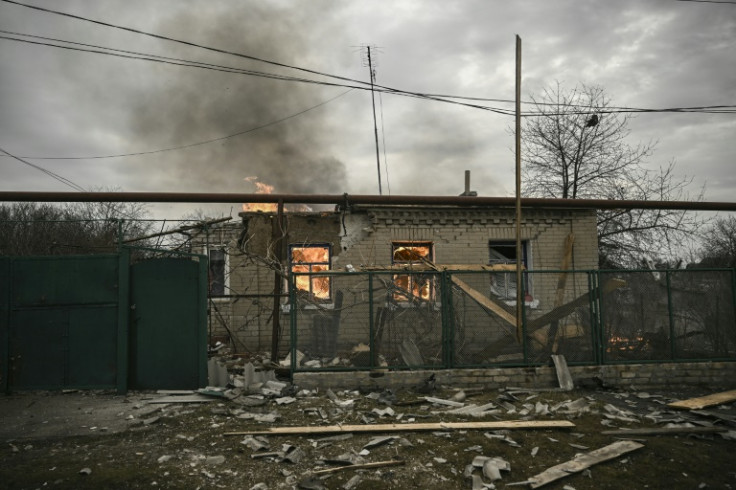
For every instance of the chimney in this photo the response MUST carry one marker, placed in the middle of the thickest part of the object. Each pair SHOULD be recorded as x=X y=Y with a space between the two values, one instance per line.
x=468 y=192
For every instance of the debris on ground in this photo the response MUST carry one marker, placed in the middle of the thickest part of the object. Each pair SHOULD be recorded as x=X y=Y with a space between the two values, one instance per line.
x=446 y=437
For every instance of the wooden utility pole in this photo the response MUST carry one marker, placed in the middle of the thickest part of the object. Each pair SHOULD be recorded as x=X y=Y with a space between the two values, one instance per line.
x=519 y=252
x=375 y=125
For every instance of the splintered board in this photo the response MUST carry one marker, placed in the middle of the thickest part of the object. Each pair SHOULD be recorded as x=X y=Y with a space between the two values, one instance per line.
x=583 y=462
x=331 y=429
x=705 y=401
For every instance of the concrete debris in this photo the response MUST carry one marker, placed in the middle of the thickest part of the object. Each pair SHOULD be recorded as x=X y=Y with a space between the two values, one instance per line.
x=285 y=400
x=440 y=401
x=460 y=396
x=286 y=362
x=164 y=458
x=475 y=410
x=386 y=412
x=379 y=441
x=85 y=471
x=255 y=443
x=217 y=374
x=535 y=451
x=502 y=437
x=352 y=483
x=259 y=486
x=214 y=460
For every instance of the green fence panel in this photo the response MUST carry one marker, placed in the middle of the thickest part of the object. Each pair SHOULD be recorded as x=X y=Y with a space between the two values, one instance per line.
x=4 y=321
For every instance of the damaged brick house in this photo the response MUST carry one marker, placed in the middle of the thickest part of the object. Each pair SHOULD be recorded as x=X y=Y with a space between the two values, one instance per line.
x=424 y=282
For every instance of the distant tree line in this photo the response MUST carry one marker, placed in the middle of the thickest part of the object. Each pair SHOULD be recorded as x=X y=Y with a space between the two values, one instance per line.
x=30 y=228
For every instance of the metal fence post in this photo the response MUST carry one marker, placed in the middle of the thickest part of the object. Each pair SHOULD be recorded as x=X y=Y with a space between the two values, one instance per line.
x=673 y=349
x=596 y=320
x=448 y=325
x=292 y=323
x=371 y=320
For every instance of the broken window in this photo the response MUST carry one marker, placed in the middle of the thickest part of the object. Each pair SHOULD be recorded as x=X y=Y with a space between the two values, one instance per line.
x=217 y=272
x=311 y=258
x=417 y=285
x=503 y=284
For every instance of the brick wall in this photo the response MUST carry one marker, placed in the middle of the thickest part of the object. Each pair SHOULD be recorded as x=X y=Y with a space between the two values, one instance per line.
x=364 y=237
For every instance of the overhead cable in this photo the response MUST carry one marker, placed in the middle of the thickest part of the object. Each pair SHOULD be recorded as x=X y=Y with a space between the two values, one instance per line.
x=58 y=177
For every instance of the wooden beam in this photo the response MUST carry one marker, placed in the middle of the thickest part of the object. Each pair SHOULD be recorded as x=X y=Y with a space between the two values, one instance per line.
x=567 y=308
x=486 y=302
x=664 y=431
x=563 y=374
x=441 y=267
x=582 y=462
x=331 y=429
x=704 y=401
x=376 y=464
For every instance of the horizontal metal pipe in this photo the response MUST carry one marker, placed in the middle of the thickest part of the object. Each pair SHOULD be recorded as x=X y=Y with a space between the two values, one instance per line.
x=353 y=199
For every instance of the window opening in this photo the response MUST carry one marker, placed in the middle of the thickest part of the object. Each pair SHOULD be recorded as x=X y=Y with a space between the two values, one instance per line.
x=311 y=258
x=216 y=274
x=503 y=284
x=417 y=285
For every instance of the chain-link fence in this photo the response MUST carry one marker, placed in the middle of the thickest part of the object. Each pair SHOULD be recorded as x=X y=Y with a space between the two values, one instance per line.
x=432 y=319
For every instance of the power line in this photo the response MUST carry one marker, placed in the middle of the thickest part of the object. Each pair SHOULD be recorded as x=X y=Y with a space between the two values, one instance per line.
x=717 y=109
x=190 y=145
x=707 y=1
x=51 y=174
x=227 y=69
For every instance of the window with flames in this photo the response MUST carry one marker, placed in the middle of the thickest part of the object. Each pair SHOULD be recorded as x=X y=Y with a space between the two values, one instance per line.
x=311 y=258
x=416 y=285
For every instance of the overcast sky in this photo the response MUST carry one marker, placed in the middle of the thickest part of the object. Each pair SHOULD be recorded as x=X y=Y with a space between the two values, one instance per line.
x=62 y=103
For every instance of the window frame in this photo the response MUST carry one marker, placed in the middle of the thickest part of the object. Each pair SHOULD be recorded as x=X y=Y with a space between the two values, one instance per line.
x=310 y=265
x=509 y=278
x=225 y=273
x=412 y=278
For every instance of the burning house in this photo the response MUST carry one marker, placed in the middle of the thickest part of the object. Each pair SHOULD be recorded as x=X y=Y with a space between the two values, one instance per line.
x=394 y=279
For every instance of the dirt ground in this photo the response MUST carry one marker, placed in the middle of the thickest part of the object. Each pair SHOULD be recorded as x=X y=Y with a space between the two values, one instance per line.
x=143 y=440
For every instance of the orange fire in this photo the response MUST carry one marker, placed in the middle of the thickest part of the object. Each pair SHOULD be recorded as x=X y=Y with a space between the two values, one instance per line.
x=261 y=188
x=267 y=207
x=312 y=259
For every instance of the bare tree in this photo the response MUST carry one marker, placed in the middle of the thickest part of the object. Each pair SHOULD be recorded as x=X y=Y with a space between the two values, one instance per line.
x=30 y=228
x=719 y=243
x=574 y=147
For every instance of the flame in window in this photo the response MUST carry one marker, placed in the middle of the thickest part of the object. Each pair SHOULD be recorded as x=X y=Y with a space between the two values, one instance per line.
x=312 y=259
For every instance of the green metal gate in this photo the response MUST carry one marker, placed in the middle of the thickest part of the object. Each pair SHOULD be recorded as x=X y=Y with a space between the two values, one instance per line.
x=60 y=322
x=168 y=343
x=96 y=322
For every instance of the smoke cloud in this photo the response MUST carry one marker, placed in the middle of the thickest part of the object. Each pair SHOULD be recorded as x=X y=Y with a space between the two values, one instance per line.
x=180 y=106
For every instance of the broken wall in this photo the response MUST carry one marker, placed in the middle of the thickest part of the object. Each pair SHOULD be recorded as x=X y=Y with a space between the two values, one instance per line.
x=361 y=239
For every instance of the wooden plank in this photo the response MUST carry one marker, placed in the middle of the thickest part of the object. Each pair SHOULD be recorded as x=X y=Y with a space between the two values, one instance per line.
x=441 y=267
x=567 y=308
x=663 y=431
x=582 y=462
x=705 y=401
x=563 y=374
x=486 y=302
x=377 y=464
x=330 y=429
x=562 y=280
